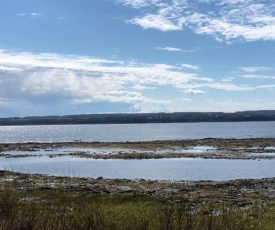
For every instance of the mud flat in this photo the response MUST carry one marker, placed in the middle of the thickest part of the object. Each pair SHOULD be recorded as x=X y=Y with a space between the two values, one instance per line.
x=255 y=148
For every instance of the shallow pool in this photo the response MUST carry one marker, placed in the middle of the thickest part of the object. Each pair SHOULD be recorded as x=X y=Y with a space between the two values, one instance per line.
x=154 y=169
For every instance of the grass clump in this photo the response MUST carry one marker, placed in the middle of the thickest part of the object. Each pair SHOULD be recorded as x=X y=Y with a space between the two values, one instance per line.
x=36 y=209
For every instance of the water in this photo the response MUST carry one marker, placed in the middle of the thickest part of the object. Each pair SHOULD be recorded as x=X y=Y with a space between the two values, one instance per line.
x=154 y=169
x=136 y=132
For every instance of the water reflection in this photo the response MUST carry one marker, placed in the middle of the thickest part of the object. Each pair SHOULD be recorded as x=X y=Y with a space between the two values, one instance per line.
x=154 y=169
x=136 y=132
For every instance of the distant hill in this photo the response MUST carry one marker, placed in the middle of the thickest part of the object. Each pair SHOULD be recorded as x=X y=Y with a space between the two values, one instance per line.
x=127 y=118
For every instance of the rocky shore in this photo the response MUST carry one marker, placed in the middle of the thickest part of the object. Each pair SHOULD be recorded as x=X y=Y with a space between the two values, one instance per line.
x=254 y=148
x=240 y=192
x=235 y=192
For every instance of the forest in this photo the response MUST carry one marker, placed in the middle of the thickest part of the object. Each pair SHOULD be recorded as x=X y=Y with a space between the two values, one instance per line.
x=131 y=118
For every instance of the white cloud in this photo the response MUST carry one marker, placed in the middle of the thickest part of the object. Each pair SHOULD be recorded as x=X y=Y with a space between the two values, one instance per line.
x=172 y=49
x=233 y=105
x=47 y=60
x=186 y=99
x=142 y=87
x=228 y=79
x=229 y=87
x=37 y=79
x=254 y=76
x=188 y=66
x=229 y=20
x=233 y=87
x=31 y=15
x=218 y=105
x=154 y=21
x=62 y=85
x=253 y=69
x=237 y=19
x=167 y=17
x=76 y=79
x=9 y=68
x=138 y=3
x=193 y=91
x=155 y=106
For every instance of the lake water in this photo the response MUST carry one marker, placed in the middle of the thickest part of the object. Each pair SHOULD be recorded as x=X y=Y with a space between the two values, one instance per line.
x=136 y=132
x=154 y=169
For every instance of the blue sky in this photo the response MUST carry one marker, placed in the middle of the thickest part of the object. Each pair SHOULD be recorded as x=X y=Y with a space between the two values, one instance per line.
x=102 y=56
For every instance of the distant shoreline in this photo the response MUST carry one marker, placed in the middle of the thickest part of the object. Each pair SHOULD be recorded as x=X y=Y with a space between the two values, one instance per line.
x=142 y=118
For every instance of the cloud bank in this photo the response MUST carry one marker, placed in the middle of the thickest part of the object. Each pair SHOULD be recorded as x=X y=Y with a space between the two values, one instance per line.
x=52 y=80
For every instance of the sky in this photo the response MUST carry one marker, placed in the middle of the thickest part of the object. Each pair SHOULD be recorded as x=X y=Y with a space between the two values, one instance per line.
x=136 y=56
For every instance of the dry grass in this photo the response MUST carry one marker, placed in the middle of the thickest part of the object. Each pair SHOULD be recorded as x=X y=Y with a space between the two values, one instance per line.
x=36 y=209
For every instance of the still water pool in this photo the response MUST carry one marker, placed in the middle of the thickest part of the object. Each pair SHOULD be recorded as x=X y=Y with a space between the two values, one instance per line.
x=154 y=169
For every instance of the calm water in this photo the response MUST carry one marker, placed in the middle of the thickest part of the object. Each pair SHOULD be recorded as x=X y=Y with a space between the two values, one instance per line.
x=136 y=132
x=160 y=169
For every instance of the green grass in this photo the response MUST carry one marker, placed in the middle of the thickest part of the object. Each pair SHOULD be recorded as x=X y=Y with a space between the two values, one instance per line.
x=36 y=209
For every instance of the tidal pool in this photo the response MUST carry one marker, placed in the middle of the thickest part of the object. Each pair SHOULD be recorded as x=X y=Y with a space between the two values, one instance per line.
x=153 y=169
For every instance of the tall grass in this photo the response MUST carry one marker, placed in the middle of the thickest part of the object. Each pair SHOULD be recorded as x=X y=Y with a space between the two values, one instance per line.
x=36 y=209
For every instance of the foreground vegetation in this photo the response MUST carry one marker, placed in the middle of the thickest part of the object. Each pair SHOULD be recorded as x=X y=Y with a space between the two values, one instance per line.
x=61 y=209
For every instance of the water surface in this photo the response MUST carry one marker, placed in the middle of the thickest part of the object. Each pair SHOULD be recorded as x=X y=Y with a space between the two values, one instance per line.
x=154 y=169
x=136 y=132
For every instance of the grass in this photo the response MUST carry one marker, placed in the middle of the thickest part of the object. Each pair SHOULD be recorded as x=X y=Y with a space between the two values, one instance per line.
x=38 y=209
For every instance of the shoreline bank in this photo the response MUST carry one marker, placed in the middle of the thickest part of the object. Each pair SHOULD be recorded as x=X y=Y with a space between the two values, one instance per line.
x=240 y=192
